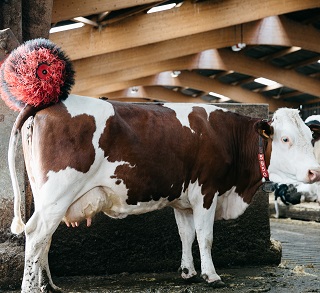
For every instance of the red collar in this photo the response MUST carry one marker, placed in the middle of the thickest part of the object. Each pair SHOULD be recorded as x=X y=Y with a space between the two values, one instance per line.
x=263 y=167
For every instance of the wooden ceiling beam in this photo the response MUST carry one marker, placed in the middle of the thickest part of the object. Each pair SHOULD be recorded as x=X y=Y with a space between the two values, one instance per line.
x=113 y=87
x=170 y=49
x=223 y=73
x=235 y=93
x=157 y=93
x=290 y=95
x=134 y=11
x=281 y=53
x=206 y=84
x=153 y=28
x=269 y=88
x=255 y=67
x=279 y=30
x=222 y=59
x=94 y=83
x=245 y=80
x=121 y=60
x=67 y=9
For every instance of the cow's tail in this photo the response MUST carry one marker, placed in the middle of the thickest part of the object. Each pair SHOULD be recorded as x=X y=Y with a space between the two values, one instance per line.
x=17 y=225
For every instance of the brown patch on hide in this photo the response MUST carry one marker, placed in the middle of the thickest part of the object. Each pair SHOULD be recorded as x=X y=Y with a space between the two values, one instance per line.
x=162 y=157
x=158 y=151
x=62 y=141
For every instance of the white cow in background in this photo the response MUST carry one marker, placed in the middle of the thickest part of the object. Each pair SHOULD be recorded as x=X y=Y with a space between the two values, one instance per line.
x=311 y=192
x=298 y=193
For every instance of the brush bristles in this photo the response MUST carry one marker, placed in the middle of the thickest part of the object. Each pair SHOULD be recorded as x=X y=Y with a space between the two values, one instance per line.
x=37 y=73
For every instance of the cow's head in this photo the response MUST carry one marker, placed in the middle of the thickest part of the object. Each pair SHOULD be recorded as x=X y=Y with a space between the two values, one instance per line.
x=294 y=194
x=292 y=158
x=313 y=122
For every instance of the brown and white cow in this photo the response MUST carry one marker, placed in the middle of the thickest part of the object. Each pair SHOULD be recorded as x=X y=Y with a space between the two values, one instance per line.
x=85 y=155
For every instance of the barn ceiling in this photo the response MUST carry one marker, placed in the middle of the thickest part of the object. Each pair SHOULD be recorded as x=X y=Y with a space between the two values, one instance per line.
x=185 y=54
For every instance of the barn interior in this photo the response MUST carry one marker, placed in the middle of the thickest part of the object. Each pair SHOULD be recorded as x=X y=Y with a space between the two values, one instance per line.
x=258 y=54
x=186 y=51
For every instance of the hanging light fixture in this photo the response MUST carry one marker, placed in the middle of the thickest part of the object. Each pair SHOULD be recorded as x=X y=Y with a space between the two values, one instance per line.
x=175 y=73
x=239 y=46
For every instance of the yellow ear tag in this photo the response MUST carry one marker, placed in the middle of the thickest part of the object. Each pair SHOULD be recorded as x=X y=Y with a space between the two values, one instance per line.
x=264 y=134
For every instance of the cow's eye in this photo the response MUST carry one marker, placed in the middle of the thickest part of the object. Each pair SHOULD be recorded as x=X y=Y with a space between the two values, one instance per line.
x=285 y=139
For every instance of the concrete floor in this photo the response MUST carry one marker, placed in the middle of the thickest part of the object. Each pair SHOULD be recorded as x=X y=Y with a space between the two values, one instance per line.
x=300 y=241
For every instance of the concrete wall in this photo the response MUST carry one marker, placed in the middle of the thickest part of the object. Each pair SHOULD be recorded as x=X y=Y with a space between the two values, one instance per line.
x=7 y=118
x=145 y=243
x=11 y=247
x=150 y=243
x=26 y=20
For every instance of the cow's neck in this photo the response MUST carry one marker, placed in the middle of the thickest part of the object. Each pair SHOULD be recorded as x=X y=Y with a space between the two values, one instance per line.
x=247 y=185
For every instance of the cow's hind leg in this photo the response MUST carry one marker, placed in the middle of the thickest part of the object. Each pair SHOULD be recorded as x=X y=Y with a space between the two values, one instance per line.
x=184 y=219
x=45 y=280
x=39 y=230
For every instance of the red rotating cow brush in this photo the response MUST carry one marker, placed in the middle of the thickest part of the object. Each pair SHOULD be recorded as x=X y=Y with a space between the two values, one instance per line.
x=34 y=76
x=37 y=73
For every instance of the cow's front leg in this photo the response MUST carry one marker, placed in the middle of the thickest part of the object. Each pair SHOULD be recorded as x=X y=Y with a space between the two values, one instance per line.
x=203 y=220
x=184 y=219
x=36 y=277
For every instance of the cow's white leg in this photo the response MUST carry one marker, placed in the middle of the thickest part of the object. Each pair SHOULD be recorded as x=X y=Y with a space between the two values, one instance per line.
x=203 y=220
x=45 y=280
x=184 y=219
x=39 y=230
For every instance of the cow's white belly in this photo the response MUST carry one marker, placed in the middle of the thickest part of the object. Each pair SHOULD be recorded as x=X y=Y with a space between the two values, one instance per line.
x=230 y=206
x=103 y=199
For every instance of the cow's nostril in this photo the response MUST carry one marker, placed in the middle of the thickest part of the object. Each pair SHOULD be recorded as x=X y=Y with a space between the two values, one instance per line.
x=312 y=175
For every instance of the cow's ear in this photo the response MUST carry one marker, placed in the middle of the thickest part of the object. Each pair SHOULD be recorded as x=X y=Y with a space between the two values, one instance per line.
x=315 y=128
x=264 y=129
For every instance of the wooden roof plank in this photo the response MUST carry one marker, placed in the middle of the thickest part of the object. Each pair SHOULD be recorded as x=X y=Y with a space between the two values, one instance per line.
x=67 y=9
x=120 y=60
x=211 y=59
x=189 y=18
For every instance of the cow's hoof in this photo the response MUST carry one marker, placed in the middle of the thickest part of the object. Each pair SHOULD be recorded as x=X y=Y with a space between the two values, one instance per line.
x=217 y=284
x=57 y=290
x=193 y=279
x=51 y=289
